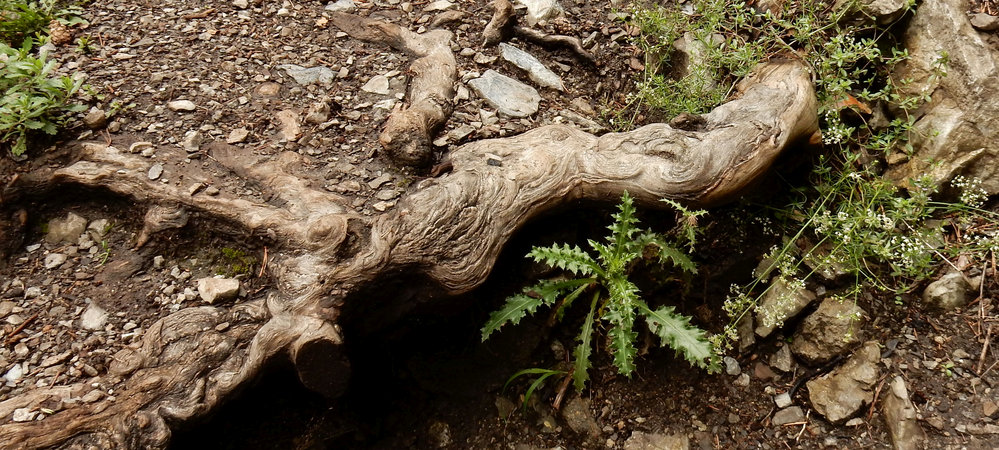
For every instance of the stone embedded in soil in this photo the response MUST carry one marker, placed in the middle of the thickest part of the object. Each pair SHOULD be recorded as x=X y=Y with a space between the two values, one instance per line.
x=346 y=6
x=241 y=4
x=842 y=393
x=731 y=366
x=309 y=75
x=537 y=71
x=98 y=229
x=54 y=260
x=783 y=400
x=378 y=84
x=23 y=415
x=182 y=105
x=192 y=141
x=579 y=418
x=782 y=359
x=67 y=229
x=93 y=318
x=95 y=118
x=785 y=416
x=900 y=417
x=237 y=136
x=779 y=304
x=214 y=290
x=269 y=89
x=833 y=329
x=538 y=10
x=14 y=373
x=946 y=294
x=288 y=127
x=155 y=171
x=510 y=97
x=985 y=22
x=439 y=5
x=656 y=441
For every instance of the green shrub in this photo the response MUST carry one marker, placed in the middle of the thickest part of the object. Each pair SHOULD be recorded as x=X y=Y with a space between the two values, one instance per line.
x=615 y=300
x=33 y=100
x=21 y=20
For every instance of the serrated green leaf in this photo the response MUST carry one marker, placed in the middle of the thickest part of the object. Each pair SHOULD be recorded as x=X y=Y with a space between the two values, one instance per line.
x=622 y=342
x=676 y=331
x=573 y=259
x=545 y=292
x=581 y=356
x=679 y=258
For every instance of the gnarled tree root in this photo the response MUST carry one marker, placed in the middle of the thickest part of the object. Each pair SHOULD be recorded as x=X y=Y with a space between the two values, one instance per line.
x=451 y=229
x=409 y=130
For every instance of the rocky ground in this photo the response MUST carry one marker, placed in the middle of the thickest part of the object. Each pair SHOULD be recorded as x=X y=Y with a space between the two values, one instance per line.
x=185 y=83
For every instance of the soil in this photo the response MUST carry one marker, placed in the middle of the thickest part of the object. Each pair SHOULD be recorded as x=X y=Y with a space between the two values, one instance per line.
x=422 y=378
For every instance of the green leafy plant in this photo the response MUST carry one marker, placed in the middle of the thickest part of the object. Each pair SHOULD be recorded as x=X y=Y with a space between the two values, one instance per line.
x=542 y=375
x=235 y=262
x=33 y=100
x=615 y=299
x=22 y=20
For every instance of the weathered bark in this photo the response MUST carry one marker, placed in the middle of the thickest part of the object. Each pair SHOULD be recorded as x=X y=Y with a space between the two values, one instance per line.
x=450 y=229
x=409 y=130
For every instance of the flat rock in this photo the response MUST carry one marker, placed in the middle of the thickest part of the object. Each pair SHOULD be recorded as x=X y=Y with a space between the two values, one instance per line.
x=192 y=141
x=537 y=71
x=378 y=84
x=833 y=329
x=93 y=318
x=510 y=97
x=288 y=126
x=439 y=5
x=346 y=6
x=67 y=229
x=538 y=10
x=182 y=105
x=54 y=260
x=155 y=171
x=579 y=418
x=656 y=441
x=842 y=393
x=213 y=290
x=237 y=136
x=95 y=118
x=14 y=373
x=780 y=303
x=793 y=414
x=309 y=75
x=946 y=294
x=98 y=229
x=900 y=417
x=985 y=22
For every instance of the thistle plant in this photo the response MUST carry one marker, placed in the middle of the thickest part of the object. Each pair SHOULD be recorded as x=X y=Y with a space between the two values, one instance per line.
x=614 y=299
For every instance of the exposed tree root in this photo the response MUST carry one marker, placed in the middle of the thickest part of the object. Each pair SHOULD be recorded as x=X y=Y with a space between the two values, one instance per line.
x=409 y=130
x=570 y=43
x=500 y=26
x=503 y=25
x=450 y=229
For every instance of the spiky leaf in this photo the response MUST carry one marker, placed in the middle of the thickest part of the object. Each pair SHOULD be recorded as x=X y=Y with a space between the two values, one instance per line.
x=676 y=331
x=624 y=226
x=573 y=259
x=666 y=251
x=518 y=306
x=622 y=342
x=581 y=365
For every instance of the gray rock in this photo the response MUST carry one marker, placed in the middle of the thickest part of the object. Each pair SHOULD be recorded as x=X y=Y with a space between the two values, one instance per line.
x=783 y=400
x=33 y=292
x=98 y=229
x=346 y=6
x=241 y=4
x=656 y=441
x=95 y=118
x=378 y=84
x=842 y=393
x=779 y=304
x=23 y=415
x=6 y=307
x=731 y=366
x=92 y=396
x=54 y=260
x=93 y=318
x=539 y=10
x=690 y=58
x=15 y=373
x=213 y=290
x=309 y=75
x=882 y=12
x=579 y=418
x=900 y=417
x=954 y=133
x=834 y=328
x=785 y=416
x=68 y=229
x=192 y=141
x=237 y=136
x=379 y=181
x=535 y=69
x=782 y=359
x=946 y=294
x=182 y=105
x=510 y=97
x=155 y=171
x=288 y=126
x=985 y=22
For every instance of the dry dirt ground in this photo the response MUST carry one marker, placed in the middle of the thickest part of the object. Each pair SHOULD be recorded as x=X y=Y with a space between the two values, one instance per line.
x=426 y=381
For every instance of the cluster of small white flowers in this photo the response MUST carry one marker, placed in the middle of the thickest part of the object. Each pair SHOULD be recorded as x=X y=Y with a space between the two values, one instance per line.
x=972 y=193
x=773 y=315
x=737 y=302
x=836 y=131
x=986 y=242
x=904 y=251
